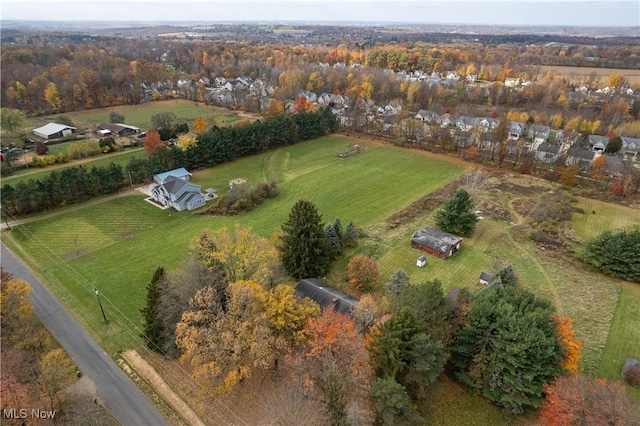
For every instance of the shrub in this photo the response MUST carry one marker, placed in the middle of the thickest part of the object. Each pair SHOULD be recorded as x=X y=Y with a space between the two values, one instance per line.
x=614 y=254
x=242 y=200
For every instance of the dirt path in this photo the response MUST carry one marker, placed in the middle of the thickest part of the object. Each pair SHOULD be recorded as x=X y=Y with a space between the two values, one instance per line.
x=151 y=375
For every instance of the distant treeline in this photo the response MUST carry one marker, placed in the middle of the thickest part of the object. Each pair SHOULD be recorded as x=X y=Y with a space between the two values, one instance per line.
x=77 y=183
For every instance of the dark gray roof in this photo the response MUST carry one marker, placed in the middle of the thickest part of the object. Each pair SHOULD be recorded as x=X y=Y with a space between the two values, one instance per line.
x=486 y=276
x=551 y=149
x=325 y=295
x=582 y=154
x=436 y=239
x=173 y=184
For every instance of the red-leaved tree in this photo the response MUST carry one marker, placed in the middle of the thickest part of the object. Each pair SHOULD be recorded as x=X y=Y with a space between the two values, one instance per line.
x=581 y=400
x=151 y=142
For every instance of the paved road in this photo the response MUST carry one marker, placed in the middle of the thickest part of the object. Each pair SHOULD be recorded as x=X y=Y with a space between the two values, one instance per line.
x=119 y=395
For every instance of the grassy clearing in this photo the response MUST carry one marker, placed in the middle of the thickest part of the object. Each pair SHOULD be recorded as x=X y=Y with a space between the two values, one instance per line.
x=624 y=336
x=116 y=245
x=600 y=216
x=122 y=158
x=140 y=115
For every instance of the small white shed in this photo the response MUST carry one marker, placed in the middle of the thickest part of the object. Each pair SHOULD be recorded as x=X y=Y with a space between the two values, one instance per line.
x=421 y=262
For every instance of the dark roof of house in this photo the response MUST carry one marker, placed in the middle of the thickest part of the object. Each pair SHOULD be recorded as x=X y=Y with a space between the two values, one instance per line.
x=179 y=173
x=173 y=184
x=551 y=149
x=435 y=239
x=486 y=276
x=325 y=295
x=582 y=154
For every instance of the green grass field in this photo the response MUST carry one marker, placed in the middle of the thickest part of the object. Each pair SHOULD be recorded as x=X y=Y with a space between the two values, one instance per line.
x=116 y=245
x=140 y=115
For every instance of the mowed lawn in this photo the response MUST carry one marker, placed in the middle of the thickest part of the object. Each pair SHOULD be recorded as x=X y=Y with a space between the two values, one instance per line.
x=624 y=336
x=116 y=245
x=140 y=115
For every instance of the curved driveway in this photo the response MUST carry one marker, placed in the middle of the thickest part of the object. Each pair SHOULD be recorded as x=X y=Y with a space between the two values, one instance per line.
x=119 y=395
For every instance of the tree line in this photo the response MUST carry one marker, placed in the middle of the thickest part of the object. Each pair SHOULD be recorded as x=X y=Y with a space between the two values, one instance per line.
x=218 y=145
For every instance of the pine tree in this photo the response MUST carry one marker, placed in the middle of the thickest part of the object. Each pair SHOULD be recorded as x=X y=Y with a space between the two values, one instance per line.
x=337 y=224
x=334 y=238
x=505 y=277
x=456 y=216
x=305 y=249
x=152 y=329
x=350 y=235
x=398 y=281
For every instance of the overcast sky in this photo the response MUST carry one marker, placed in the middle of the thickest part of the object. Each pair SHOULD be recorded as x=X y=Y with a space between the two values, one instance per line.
x=494 y=12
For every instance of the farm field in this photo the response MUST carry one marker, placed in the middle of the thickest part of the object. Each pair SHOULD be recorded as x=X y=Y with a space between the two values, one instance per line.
x=582 y=72
x=140 y=115
x=117 y=244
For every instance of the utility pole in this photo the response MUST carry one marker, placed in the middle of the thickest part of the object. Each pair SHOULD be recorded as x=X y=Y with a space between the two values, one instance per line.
x=100 y=303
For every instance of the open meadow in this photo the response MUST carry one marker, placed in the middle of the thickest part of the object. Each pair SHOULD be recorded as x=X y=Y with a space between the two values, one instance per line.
x=140 y=115
x=117 y=244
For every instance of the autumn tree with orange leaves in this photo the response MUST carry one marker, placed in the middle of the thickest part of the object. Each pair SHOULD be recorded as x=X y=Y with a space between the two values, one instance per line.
x=152 y=142
x=570 y=344
x=200 y=125
x=335 y=363
x=363 y=272
x=578 y=400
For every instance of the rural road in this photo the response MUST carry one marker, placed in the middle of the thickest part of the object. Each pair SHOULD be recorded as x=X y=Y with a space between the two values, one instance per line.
x=118 y=394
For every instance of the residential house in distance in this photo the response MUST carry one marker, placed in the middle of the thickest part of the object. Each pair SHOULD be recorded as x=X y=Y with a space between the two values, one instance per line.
x=325 y=295
x=427 y=116
x=538 y=133
x=467 y=123
x=598 y=143
x=630 y=147
x=488 y=124
x=436 y=242
x=54 y=131
x=548 y=153
x=174 y=190
x=580 y=157
x=116 y=129
x=511 y=82
x=516 y=129
x=311 y=97
x=446 y=120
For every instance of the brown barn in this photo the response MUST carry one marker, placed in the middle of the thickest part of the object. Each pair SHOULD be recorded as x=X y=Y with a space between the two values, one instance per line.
x=436 y=242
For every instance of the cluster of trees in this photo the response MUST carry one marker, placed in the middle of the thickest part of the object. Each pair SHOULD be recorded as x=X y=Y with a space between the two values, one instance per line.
x=71 y=185
x=34 y=367
x=615 y=254
x=239 y=200
x=225 y=317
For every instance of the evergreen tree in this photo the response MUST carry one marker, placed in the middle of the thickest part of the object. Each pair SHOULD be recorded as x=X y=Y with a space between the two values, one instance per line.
x=614 y=254
x=509 y=348
x=350 y=235
x=398 y=281
x=456 y=216
x=505 y=277
x=429 y=307
x=334 y=239
x=335 y=407
x=305 y=249
x=400 y=350
x=152 y=328
x=337 y=224
x=393 y=405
